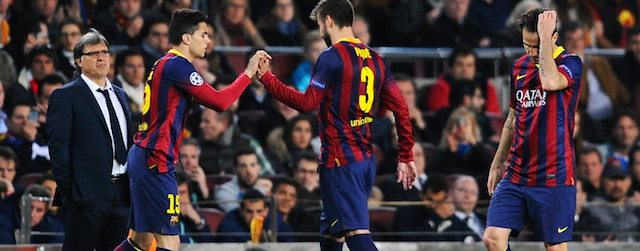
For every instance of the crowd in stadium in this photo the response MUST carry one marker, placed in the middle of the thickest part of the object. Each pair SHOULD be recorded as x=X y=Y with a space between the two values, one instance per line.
x=260 y=147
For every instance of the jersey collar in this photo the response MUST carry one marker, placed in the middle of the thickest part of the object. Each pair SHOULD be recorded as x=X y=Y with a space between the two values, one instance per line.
x=352 y=40
x=174 y=51
x=556 y=54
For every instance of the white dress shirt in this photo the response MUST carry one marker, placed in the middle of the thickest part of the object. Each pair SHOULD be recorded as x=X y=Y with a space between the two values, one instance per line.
x=122 y=119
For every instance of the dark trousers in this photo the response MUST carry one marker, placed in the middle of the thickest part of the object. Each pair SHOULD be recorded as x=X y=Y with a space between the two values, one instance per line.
x=100 y=227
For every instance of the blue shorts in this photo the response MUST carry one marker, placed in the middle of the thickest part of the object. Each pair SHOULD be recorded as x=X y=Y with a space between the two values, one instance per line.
x=345 y=191
x=550 y=210
x=154 y=196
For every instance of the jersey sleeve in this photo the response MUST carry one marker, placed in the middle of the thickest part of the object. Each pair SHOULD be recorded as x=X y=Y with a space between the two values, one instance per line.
x=325 y=71
x=512 y=87
x=393 y=100
x=185 y=78
x=571 y=67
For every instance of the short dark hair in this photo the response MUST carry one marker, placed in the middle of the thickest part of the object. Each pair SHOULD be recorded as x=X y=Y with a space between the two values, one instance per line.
x=8 y=154
x=570 y=26
x=529 y=20
x=285 y=181
x=122 y=56
x=305 y=155
x=435 y=183
x=461 y=88
x=589 y=150
x=51 y=79
x=461 y=51
x=42 y=49
x=181 y=176
x=48 y=175
x=71 y=20
x=150 y=22
x=184 y=21
x=626 y=112
x=242 y=151
x=252 y=195
x=10 y=109
x=340 y=10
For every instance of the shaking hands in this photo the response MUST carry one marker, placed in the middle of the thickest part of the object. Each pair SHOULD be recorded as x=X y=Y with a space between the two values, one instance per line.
x=258 y=64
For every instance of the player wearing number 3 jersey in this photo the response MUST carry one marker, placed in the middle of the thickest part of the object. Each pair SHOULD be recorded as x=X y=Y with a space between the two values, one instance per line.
x=349 y=82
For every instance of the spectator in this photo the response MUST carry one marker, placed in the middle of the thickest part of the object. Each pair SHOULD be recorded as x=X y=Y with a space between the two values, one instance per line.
x=166 y=8
x=584 y=220
x=234 y=27
x=437 y=216
x=202 y=67
x=616 y=217
x=70 y=30
x=634 y=166
x=413 y=17
x=48 y=181
x=628 y=67
x=190 y=220
x=492 y=15
x=360 y=28
x=576 y=11
x=40 y=221
x=219 y=139
x=155 y=40
x=32 y=26
x=611 y=27
x=590 y=167
x=465 y=200
x=8 y=163
x=624 y=133
x=3 y=115
x=408 y=89
x=281 y=26
x=247 y=170
x=306 y=174
x=190 y=155
x=5 y=15
x=130 y=75
x=511 y=35
x=255 y=97
x=22 y=131
x=286 y=143
x=455 y=27
x=122 y=23
x=218 y=62
x=390 y=189
x=276 y=115
x=312 y=46
x=286 y=192
x=463 y=67
x=602 y=92
x=460 y=149
x=41 y=61
x=238 y=220
x=467 y=94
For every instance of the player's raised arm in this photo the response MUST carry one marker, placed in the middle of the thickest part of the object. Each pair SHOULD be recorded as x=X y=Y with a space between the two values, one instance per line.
x=550 y=77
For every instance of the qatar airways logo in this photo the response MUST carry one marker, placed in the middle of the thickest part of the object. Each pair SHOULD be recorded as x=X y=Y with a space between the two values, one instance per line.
x=531 y=98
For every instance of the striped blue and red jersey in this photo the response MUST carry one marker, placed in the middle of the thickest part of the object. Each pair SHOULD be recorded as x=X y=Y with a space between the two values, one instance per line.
x=349 y=82
x=542 y=153
x=172 y=86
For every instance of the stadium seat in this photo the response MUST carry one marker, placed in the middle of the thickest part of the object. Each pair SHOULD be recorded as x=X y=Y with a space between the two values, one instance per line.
x=381 y=218
x=216 y=179
x=28 y=179
x=212 y=216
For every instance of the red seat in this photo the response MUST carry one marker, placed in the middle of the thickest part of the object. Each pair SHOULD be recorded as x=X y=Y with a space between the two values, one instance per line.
x=216 y=179
x=30 y=178
x=497 y=122
x=381 y=218
x=212 y=216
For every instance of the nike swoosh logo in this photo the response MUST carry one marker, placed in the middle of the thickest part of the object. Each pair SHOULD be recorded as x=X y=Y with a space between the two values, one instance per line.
x=520 y=76
x=336 y=221
x=561 y=230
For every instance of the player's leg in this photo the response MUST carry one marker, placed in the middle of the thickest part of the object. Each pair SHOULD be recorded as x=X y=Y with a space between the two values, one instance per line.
x=167 y=242
x=556 y=246
x=360 y=239
x=552 y=211
x=136 y=242
x=507 y=211
x=330 y=243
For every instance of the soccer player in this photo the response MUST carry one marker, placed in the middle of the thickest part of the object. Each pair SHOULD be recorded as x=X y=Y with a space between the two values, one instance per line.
x=173 y=85
x=536 y=146
x=350 y=81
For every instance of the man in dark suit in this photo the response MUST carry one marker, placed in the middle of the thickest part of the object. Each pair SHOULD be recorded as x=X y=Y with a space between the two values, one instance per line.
x=87 y=123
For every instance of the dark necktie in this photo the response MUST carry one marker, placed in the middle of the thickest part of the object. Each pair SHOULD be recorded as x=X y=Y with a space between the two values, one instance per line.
x=121 y=151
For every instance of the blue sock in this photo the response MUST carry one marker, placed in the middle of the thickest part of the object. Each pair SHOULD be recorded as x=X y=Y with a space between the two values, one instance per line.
x=128 y=245
x=361 y=242
x=327 y=244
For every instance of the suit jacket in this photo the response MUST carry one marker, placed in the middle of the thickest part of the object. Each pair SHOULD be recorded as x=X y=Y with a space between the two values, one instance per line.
x=80 y=144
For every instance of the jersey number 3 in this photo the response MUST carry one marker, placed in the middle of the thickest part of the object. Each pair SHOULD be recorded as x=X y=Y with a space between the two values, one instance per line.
x=366 y=100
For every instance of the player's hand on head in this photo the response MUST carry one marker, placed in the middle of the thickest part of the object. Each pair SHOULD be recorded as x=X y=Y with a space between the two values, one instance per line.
x=407 y=174
x=547 y=23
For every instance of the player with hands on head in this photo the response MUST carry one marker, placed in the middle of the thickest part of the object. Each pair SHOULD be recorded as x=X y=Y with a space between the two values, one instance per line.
x=350 y=81
x=536 y=147
x=171 y=88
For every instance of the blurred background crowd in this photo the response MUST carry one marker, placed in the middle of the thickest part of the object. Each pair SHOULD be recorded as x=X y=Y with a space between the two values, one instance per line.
x=260 y=149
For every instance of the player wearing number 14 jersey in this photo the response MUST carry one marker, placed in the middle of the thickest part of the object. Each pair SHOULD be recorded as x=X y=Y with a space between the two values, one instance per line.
x=350 y=81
